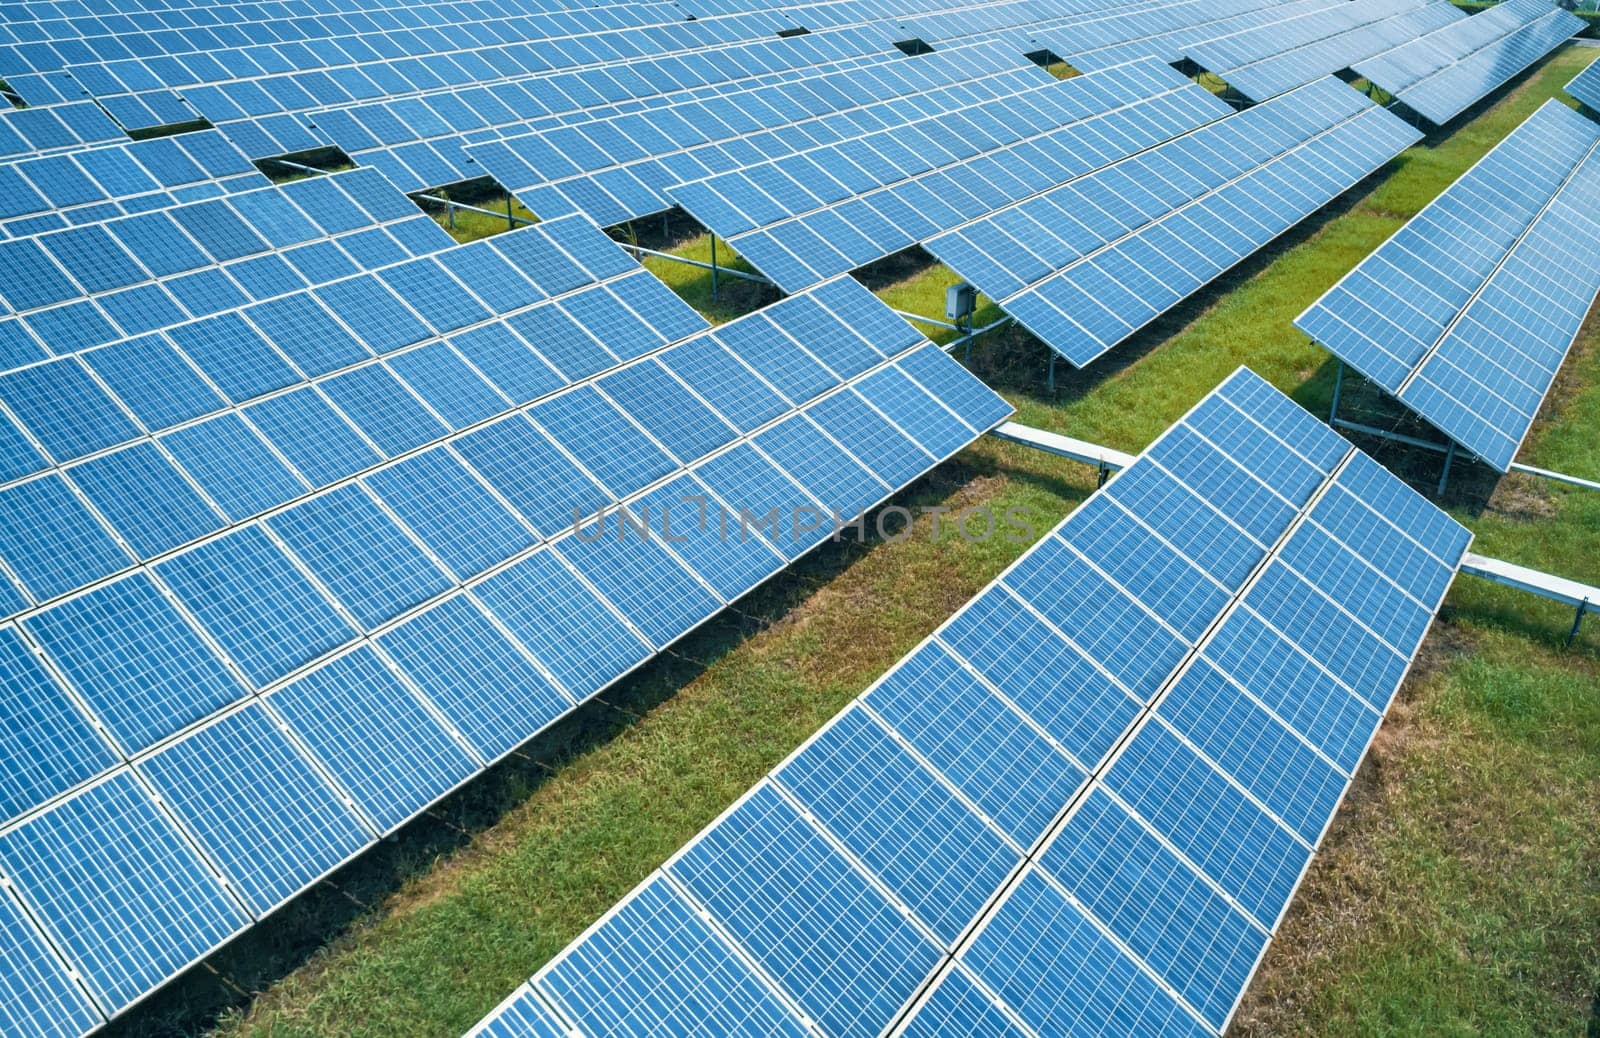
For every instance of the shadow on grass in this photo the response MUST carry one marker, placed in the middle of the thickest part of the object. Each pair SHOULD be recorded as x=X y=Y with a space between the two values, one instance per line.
x=291 y=938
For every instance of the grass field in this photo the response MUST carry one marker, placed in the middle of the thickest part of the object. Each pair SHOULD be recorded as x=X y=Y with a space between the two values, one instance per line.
x=1458 y=892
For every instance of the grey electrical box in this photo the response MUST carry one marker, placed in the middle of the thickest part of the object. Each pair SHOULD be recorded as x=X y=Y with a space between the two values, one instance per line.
x=960 y=301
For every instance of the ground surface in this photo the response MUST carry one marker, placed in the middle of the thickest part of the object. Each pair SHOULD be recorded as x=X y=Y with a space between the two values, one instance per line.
x=1458 y=891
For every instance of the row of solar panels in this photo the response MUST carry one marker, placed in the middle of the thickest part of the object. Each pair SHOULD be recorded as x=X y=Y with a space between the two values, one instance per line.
x=1085 y=265
x=1443 y=73
x=619 y=168
x=425 y=144
x=359 y=602
x=1084 y=804
x=102 y=182
x=823 y=212
x=64 y=292
x=1467 y=313
x=1275 y=58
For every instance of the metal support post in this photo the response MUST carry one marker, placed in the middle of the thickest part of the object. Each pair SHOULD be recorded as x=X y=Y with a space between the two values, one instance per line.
x=1444 y=477
x=1105 y=474
x=511 y=221
x=1051 y=378
x=1577 y=621
x=713 y=268
x=1338 y=387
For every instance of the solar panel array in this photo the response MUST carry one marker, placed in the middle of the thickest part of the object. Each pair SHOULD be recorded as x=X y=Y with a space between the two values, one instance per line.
x=101 y=182
x=1267 y=60
x=248 y=640
x=1466 y=314
x=1586 y=87
x=822 y=212
x=619 y=168
x=1083 y=805
x=40 y=131
x=69 y=291
x=1087 y=264
x=1442 y=74
x=419 y=140
x=1116 y=34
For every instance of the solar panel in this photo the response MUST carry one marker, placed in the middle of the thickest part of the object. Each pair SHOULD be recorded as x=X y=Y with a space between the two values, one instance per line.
x=193 y=263
x=831 y=209
x=1266 y=60
x=1087 y=264
x=93 y=184
x=627 y=162
x=1457 y=315
x=1034 y=823
x=1586 y=87
x=1442 y=74
x=241 y=704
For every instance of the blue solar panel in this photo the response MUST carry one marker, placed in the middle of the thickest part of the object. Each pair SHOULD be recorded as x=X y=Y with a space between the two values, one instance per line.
x=88 y=869
x=1586 y=87
x=134 y=659
x=64 y=409
x=1152 y=901
x=233 y=465
x=1441 y=316
x=257 y=806
x=359 y=554
x=256 y=603
x=915 y=834
x=376 y=738
x=567 y=629
x=1099 y=818
x=657 y=933
x=522 y=1016
x=146 y=499
x=1078 y=982
x=806 y=915
x=459 y=520
x=36 y=995
x=53 y=746
x=475 y=675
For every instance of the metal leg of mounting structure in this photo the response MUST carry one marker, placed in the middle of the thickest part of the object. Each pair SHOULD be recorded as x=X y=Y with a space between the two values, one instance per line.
x=1577 y=621
x=1338 y=387
x=1050 y=380
x=1444 y=477
x=713 y=268
x=1105 y=474
x=511 y=219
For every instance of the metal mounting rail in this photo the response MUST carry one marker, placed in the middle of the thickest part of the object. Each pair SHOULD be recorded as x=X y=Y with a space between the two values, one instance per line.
x=1582 y=597
x=1105 y=459
x=1558 y=477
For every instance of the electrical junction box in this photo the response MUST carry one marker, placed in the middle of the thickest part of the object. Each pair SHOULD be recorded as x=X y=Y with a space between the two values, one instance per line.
x=960 y=301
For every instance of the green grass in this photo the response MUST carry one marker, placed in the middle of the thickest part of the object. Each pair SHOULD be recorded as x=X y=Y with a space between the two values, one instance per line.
x=467 y=226
x=1458 y=890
